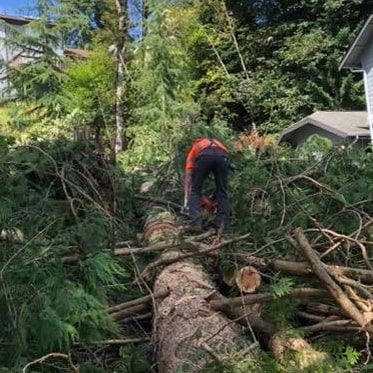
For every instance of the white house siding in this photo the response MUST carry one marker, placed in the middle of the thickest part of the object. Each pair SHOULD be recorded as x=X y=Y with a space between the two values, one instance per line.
x=6 y=55
x=367 y=64
x=3 y=58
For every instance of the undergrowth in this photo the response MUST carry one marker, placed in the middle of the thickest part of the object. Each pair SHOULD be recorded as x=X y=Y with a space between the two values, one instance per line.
x=59 y=200
x=64 y=200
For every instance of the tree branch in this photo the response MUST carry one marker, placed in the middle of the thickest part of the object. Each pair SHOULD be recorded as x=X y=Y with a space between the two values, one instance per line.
x=319 y=270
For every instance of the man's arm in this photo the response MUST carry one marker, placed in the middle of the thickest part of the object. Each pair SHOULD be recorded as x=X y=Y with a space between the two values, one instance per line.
x=188 y=174
x=187 y=185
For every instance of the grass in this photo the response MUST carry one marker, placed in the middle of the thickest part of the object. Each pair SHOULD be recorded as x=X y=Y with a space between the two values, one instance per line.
x=4 y=115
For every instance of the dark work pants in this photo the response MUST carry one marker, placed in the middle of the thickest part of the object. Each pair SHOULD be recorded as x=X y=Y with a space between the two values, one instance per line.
x=216 y=162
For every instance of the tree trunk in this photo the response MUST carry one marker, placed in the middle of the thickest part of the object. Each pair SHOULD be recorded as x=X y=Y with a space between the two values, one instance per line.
x=120 y=83
x=144 y=17
x=187 y=332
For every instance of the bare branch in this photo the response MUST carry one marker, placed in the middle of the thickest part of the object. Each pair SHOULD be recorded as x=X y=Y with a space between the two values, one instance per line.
x=73 y=367
x=320 y=271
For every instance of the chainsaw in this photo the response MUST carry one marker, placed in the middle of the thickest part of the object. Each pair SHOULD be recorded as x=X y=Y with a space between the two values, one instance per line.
x=208 y=204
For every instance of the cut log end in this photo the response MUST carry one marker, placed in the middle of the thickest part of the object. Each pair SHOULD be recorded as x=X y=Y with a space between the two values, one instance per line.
x=248 y=279
x=296 y=350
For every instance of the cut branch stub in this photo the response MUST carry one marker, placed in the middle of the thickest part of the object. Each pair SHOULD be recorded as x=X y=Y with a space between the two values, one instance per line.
x=248 y=279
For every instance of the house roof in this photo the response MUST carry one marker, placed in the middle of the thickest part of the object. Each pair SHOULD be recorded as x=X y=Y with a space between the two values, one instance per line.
x=352 y=60
x=341 y=123
x=16 y=20
x=76 y=53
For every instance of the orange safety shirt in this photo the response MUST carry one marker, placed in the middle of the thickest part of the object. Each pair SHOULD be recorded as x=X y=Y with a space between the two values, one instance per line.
x=198 y=147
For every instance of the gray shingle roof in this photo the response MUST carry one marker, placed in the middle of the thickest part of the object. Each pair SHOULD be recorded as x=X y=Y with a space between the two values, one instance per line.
x=18 y=20
x=351 y=60
x=341 y=123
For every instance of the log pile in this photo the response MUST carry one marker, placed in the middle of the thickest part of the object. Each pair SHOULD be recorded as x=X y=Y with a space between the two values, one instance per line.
x=190 y=315
x=193 y=312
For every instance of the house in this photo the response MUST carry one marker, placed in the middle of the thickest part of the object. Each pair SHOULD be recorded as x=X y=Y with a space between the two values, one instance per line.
x=338 y=126
x=13 y=58
x=359 y=58
x=7 y=54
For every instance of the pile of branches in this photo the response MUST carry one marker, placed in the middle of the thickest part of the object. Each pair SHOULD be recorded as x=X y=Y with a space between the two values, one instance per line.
x=302 y=231
x=293 y=268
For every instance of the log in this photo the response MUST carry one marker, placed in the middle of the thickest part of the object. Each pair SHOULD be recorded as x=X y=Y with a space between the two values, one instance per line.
x=306 y=355
x=304 y=269
x=189 y=330
x=225 y=304
x=184 y=320
x=324 y=309
x=335 y=290
x=282 y=347
x=248 y=279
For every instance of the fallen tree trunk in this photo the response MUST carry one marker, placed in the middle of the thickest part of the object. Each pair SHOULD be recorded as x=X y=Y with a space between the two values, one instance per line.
x=184 y=323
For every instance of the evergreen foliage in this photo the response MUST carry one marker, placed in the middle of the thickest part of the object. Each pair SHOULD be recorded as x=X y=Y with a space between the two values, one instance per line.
x=52 y=207
x=193 y=68
x=291 y=51
x=87 y=96
x=161 y=88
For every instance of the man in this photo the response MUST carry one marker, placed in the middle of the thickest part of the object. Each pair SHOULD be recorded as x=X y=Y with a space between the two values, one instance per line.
x=205 y=156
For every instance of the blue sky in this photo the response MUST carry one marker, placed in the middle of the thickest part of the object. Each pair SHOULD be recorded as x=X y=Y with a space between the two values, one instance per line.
x=16 y=6
x=26 y=7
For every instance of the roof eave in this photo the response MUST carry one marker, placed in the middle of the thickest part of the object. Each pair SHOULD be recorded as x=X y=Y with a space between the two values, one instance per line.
x=16 y=20
x=286 y=134
x=354 y=65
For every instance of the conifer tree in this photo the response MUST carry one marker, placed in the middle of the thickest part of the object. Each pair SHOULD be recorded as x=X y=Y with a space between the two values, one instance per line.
x=37 y=79
x=162 y=86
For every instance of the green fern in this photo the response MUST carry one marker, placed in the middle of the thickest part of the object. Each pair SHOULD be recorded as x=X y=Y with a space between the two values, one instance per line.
x=281 y=286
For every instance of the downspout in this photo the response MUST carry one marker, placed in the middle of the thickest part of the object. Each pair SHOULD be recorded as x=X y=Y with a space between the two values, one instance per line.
x=367 y=99
x=369 y=111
